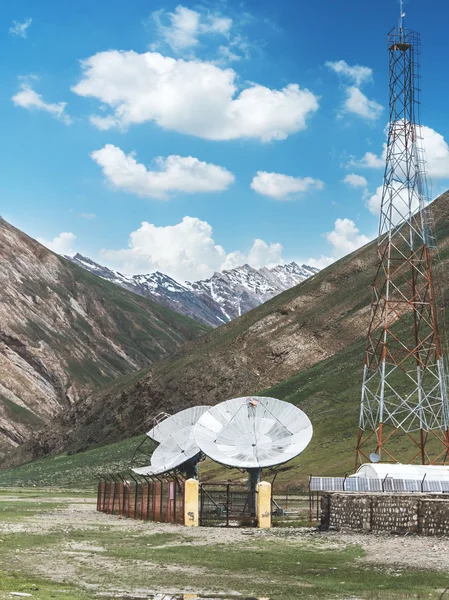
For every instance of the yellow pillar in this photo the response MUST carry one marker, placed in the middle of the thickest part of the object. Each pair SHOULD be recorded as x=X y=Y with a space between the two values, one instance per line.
x=191 y=503
x=264 y=505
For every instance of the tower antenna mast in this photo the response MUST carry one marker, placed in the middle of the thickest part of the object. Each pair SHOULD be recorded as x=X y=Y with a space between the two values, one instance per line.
x=404 y=413
x=401 y=15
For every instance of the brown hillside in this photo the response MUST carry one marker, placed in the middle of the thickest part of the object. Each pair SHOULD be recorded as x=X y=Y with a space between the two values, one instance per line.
x=65 y=332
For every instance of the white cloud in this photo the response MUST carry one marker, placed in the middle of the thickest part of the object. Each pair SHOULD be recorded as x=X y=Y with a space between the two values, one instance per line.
x=344 y=238
x=172 y=174
x=355 y=181
x=260 y=255
x=370 y=160
x=238 y=47
x=283 y=187
x=184 y=29
x=320 y=263
x=436 y=154
x=186 y=25
x=374 y=202
x=104 y=123
x=185 y=251
x=61 y=244
x=216 y=24
x=402 y=202
x=192 y=97
x=88 y=216
x=27 y=98
x=20 y=29
x=357 y=103
x=228 y=55
x=357 y=73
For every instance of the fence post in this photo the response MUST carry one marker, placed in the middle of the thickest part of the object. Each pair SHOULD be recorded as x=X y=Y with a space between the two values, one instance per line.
x=263 y=504
x=191 y=503
x=113 y=495
x=99 y=494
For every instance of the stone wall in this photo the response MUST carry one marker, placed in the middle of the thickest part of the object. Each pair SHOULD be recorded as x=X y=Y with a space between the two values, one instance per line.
x=399 y=513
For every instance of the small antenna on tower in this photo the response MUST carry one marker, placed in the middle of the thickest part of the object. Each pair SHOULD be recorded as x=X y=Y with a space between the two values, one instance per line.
x=401 y=15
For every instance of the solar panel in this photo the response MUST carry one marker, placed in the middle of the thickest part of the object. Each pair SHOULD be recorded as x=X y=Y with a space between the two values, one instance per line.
x=253 y=432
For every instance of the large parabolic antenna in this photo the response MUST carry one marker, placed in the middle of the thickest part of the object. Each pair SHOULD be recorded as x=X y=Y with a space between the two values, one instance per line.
x=177 y=444
x=253 y=432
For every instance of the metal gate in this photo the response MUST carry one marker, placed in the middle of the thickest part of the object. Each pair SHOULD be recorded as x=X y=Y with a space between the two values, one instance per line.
x=227 y=505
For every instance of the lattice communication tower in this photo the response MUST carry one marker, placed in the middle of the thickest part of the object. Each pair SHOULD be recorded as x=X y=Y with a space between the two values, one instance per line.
x=404 y=414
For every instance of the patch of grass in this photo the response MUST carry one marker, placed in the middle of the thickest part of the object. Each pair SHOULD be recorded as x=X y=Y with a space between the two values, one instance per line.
x=19 y=413
x=36 y=493
x=13 y=510
x=79 y=470
x=274 y=568
x=39 y=588
x=129 y=543
x=87 y=371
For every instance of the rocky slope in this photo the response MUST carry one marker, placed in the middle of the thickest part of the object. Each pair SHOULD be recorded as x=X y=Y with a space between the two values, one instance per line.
x=64 y=332
x=213 y=301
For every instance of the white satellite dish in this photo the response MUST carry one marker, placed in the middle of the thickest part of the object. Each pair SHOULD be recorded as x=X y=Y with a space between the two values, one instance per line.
x=177 y=443
x=181 y=423
x=149 y=470
x=253 y=432
x=374 y=457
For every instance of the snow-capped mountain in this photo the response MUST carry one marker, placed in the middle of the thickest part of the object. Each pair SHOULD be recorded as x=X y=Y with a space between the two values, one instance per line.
x=213 y=301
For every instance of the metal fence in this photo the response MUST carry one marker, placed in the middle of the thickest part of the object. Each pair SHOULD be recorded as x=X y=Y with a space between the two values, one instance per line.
x=227 y=505
x=149 y=500
x=372 y=484
x=289 y=504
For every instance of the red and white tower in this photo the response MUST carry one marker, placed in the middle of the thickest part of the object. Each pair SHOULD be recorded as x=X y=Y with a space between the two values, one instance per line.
x=404 y=414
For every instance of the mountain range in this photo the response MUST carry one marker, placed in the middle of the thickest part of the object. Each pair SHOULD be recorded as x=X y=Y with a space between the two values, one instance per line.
x=65 y=332
x=213 y=301
x=305 y=346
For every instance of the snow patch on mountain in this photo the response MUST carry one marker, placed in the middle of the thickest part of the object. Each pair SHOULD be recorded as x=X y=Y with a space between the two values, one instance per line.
x=213 y=301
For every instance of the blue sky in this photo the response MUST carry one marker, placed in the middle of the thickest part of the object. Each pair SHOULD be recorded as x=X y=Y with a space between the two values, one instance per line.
x=190 y=137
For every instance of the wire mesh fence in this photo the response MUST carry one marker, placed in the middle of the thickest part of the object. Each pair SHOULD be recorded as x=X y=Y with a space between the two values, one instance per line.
x=149 y=500
x=289 y=506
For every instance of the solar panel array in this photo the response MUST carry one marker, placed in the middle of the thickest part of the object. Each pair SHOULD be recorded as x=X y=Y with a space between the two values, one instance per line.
x=373 y=484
